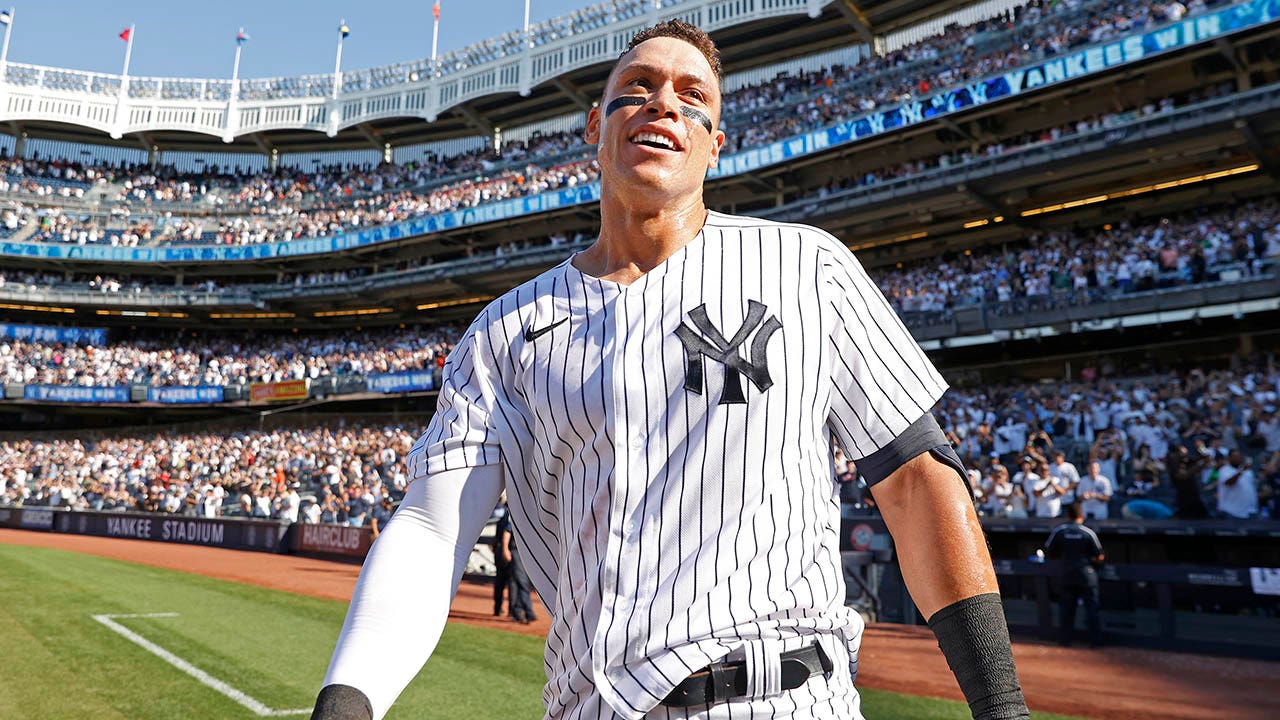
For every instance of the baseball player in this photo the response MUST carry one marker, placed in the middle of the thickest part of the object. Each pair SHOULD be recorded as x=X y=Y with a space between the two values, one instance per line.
x=660 y=409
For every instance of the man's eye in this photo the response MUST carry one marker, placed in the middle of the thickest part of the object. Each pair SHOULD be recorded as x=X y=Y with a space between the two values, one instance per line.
x=695 y=94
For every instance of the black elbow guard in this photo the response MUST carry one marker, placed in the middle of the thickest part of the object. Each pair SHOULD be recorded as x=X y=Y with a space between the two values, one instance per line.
x=342 y=702
x=975 y=640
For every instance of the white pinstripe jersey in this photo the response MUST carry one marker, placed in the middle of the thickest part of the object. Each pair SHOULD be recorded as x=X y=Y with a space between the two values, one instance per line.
x=663 y=522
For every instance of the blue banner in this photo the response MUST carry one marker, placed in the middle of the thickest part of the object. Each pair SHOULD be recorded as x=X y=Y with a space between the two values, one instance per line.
x=402 y=381
x=1058 y=69
x=192 y=394
x=45 y=333
x=1015 y=82
x=74 y=393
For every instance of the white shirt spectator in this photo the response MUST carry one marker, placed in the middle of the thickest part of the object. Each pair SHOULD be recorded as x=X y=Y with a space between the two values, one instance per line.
x=1066 y=476
x=1010 y=438
x=1239 y=499
x=1098 y=485
x=289 y=506
x=210 y=505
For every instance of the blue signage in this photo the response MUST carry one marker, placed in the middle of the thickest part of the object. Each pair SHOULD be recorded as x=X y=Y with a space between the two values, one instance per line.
x=45 y=333
x=401 y=381
x=192 y=394
x=76 y=394
x=1015 y=82
x=1058 y=69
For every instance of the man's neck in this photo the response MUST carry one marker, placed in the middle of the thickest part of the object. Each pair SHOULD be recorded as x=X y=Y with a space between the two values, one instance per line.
x=635 y=239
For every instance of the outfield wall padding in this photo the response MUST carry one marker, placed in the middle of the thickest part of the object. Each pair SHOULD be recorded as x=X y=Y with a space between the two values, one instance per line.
x=332 y=540
x=27 y=518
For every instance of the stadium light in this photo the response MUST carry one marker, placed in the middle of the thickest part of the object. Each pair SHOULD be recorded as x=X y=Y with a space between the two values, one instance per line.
x=143 y=313
x=38 y=308
x=1140 y=190
x=349 y=313
x=250 y=316
x=451 y=303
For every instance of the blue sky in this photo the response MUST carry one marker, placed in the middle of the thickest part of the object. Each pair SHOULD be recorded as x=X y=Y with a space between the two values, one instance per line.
x=177 y=38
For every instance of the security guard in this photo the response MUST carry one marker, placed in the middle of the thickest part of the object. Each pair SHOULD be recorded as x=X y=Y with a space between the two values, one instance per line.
x=1080 y=551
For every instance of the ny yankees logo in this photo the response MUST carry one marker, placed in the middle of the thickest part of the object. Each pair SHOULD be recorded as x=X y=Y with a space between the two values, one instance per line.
x=712 y=344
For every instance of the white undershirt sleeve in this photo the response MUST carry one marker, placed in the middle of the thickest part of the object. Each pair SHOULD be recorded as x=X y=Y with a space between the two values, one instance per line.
x=401 y=601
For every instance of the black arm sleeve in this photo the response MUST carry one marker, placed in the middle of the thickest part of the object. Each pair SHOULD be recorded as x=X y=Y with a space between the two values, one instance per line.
x=920 y=437
x=975 y=640
x=341 y=702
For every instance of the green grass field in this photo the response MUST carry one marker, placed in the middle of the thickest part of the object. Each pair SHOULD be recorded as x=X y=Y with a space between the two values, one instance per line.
x=56 y=661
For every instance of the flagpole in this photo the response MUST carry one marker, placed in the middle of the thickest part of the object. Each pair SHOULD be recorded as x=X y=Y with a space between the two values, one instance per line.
x=337 y=62
x=435 y=40
x=4 y=52
x=235 y=68
x=124 y=85
x=128 y=50
x=528 y=40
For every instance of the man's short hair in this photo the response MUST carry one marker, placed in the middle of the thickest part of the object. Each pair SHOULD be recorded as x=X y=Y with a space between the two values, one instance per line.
x=1074 y=511
x=691 y=34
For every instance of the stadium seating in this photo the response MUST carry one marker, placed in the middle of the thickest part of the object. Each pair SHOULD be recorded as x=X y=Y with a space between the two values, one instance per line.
x=309 y=205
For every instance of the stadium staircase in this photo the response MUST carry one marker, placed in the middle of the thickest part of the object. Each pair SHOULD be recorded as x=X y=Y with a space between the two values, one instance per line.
x=23 y=233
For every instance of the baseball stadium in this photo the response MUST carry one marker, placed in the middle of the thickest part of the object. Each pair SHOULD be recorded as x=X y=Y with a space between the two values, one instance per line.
x=245 y=321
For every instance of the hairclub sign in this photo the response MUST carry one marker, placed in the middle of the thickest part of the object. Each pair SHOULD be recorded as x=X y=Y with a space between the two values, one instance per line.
x=334 y=540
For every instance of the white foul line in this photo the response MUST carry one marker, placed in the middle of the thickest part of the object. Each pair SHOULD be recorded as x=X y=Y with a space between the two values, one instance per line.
x=205 y=678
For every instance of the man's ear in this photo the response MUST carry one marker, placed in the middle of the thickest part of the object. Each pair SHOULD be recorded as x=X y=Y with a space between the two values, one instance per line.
x=592 y=133
x=717 y=143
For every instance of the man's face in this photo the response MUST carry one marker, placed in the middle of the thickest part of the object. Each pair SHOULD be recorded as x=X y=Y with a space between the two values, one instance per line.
x=652 y=129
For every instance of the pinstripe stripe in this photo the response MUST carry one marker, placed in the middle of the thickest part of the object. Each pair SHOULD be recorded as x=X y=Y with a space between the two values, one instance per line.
x=665 y=529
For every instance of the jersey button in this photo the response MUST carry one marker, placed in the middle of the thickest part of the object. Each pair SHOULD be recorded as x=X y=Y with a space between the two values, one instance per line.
x=637 y=441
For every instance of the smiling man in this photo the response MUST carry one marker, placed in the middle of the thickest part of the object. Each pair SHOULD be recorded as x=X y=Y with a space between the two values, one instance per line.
x=660 y=409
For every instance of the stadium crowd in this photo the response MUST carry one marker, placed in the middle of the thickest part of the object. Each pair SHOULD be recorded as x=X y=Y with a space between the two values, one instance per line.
x=187 y=361
x=290 y=204
x=1118 y=258
x=1161 y=442
x=1194 y=443
x=342 y=473
x=284 y=220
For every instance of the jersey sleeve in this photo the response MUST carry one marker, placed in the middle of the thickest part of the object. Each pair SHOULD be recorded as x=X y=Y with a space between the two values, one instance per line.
x=882 y=382
x=462 y=433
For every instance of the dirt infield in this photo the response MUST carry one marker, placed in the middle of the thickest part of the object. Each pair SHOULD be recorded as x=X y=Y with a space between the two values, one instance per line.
x=1108 y=683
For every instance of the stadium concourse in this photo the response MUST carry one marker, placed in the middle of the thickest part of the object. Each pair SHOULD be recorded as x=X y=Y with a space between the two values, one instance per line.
x=1122 y=683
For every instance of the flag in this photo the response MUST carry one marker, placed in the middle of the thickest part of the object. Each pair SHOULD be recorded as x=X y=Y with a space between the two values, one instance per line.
x=343 y=30
x=124 y=34
x=435 y=10
x=241 y=37
x=6 y=18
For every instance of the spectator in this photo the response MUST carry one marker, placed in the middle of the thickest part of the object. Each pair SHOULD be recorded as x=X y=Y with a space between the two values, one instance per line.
x=1094 y=493
x=1237 y=489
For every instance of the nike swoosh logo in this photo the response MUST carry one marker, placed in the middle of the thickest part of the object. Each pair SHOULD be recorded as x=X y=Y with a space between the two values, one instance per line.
x=530 y=334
